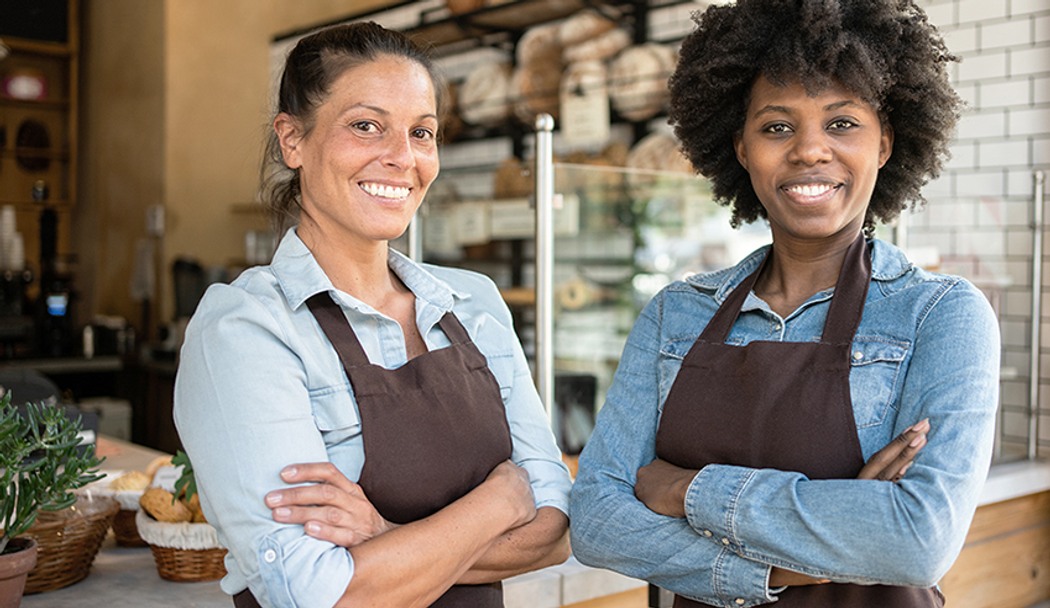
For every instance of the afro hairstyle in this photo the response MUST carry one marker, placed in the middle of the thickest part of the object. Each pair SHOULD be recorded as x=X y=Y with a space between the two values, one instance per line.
x=884 y=51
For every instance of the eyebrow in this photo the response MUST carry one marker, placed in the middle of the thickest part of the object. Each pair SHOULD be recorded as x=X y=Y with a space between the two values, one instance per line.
x=774 y=109
x=384 y=112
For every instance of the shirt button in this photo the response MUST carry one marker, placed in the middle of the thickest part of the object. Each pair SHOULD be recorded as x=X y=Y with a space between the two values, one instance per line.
x=725 y=541
x=776 y=327
x=269 y=556
x=707 y=533
x=857 y=355
x=739 y=601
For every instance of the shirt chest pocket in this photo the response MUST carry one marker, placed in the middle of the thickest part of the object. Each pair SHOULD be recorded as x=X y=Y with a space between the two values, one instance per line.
x=335 y=414
x=502 y=367
x=876 y=369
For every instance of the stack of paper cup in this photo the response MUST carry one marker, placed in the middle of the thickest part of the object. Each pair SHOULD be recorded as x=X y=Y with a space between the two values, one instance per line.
x=12 y=249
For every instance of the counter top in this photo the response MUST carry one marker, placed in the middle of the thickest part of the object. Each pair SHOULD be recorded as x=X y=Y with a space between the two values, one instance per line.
x=126 y=577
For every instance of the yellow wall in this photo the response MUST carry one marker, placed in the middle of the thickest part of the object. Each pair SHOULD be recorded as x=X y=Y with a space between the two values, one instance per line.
x=175 y=112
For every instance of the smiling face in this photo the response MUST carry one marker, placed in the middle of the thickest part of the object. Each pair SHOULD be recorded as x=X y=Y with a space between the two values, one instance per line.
x=369 y=157
x=813 y=159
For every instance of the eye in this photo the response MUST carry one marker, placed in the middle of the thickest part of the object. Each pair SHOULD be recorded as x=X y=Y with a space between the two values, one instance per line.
x=777 y=128
x=842 y=124
x=365 y=126
x=423 y=133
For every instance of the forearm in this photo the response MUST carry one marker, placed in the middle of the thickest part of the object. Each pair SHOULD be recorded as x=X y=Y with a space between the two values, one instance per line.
x=540 y=543
x=415 y=564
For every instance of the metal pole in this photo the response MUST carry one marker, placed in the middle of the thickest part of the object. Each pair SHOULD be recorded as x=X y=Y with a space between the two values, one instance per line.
x=415 y=237
x=545 y=261
x=1037 y=317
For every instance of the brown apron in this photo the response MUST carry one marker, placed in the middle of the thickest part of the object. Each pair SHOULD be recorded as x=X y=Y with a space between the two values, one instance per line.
x=780 y=405
x=433 y=429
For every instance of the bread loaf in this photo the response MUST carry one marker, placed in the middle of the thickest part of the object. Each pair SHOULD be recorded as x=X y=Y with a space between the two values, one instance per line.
x=638 y=80
x=483 y=99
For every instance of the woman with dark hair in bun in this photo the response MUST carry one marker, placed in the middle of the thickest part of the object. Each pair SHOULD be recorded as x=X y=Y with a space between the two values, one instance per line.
x=812 y=426
x=364 y=429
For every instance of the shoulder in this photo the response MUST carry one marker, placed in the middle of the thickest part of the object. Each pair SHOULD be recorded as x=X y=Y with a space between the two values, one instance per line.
x=899 y=283
x=254 y=296
x=474 y=293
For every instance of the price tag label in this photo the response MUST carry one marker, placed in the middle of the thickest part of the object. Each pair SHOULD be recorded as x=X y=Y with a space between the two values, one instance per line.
x=165 y=478
x=585 y=118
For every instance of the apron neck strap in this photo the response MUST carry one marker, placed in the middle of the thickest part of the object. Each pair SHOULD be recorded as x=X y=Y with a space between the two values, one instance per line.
x=845 y=311
x=338 y=330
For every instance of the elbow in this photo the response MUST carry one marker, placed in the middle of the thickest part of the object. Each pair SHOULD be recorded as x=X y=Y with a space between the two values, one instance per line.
x=923 y=565
x=560 y=551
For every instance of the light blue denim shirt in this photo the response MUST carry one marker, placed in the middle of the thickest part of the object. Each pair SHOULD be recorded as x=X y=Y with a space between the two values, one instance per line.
x=259 y=387
x=927 y=347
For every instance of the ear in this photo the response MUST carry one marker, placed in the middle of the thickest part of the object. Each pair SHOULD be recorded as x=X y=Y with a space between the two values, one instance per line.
x=289 y=135
x=741 y=152
x=885 y=145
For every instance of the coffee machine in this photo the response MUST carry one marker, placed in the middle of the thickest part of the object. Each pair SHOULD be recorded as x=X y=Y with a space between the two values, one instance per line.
x=56 y=336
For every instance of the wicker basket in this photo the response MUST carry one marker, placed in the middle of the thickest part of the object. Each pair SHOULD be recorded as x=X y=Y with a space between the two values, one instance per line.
x=125 y=531
x=183 y=552
x=68 y=541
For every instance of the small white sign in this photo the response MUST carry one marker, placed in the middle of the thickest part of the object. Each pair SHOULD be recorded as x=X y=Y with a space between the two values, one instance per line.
x=585 y=118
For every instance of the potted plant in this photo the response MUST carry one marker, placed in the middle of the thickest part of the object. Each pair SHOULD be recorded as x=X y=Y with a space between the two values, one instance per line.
x=41 y=462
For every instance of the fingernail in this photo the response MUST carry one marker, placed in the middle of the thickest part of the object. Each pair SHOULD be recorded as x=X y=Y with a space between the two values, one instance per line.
x=282 y=512
x=919 y=440
x=918 y=425
x=273 y=499
x=904 y=470
x=313 y=527
x=288 y=472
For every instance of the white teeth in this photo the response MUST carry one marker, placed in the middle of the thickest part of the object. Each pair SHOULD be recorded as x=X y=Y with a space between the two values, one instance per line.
x=382 y=191
x=811 y=189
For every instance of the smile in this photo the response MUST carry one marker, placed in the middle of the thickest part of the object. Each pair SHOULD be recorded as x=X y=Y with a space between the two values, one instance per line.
x=811 y=191
x=384 y=191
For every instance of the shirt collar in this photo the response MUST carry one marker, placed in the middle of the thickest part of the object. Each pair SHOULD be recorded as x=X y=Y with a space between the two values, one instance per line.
x=300 y=277
x=887 y=263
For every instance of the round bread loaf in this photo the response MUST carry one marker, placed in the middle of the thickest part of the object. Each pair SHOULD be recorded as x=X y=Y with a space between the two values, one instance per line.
x=638 y=80
x=483 y=99
x=539 y=43
x=601 y=47
x=535 y=89
x=584 y=25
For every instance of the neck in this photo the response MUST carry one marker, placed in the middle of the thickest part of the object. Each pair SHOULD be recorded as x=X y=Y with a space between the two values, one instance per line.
x=797 y=270
x=357 y=268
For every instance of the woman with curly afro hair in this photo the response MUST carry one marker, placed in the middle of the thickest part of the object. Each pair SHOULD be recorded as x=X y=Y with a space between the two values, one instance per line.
x=813 y=425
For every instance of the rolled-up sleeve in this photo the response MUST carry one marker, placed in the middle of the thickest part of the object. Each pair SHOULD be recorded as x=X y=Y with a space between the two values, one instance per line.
x=242 y=409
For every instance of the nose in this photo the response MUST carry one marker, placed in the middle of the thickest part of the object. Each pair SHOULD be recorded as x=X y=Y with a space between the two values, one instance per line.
x=810 y=146
x=398 y=152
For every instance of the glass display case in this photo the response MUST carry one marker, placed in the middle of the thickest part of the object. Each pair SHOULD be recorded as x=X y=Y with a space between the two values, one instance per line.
x=615 y=237
x=621 y=235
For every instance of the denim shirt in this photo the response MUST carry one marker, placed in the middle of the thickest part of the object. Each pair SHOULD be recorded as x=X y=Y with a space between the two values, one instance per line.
x=927 y=347
x=260 y=387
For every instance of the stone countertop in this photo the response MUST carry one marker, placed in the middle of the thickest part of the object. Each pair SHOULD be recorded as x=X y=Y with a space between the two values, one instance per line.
x=126 y=577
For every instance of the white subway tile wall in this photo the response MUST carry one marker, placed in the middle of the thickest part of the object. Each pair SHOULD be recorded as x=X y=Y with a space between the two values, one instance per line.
x=980 y=211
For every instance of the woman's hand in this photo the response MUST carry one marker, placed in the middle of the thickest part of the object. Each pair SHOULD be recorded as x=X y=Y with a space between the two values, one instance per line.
x=511 y=484
x=661 y=486
x=891 y=462
x=331 y=508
